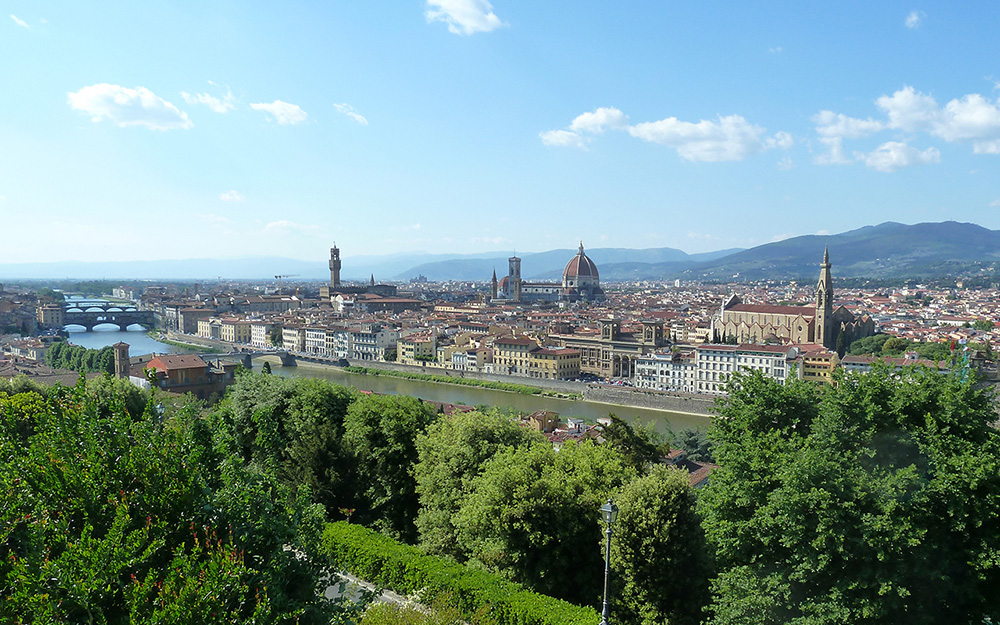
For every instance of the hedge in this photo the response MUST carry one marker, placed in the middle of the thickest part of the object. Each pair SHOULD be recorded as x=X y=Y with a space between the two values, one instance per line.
x=406 y=570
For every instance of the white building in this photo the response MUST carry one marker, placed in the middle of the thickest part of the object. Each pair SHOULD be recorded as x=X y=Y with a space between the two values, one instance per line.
x=666 y=372
x=715 y=364
x=260 y=334
x=370 y=341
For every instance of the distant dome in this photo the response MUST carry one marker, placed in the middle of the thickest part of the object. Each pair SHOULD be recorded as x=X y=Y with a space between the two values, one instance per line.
x=580 y=266
x=504 y=283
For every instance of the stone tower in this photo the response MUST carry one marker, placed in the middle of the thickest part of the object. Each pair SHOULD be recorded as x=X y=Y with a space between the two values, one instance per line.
x=334 y=267
x=824 y=304
x=493 y=285
x=121 y=359
x=514 y=273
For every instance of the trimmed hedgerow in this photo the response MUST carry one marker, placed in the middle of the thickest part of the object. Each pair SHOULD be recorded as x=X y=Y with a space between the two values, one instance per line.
x=404 y=569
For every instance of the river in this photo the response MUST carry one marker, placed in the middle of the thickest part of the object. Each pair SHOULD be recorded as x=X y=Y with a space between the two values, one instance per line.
x=140 y=343
x=473 y=396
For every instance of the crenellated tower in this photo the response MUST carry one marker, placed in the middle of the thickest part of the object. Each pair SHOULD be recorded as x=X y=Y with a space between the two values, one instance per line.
x=334 y=267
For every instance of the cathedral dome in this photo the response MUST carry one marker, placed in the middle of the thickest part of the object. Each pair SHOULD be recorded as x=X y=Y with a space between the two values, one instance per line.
x=580 y=266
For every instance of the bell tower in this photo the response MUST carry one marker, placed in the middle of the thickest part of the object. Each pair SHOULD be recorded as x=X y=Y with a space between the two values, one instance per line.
x=824 y=303
x=514 y=273
x=334 y=267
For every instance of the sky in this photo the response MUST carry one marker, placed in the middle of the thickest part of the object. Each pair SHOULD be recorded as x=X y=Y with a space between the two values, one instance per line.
x=169 y=130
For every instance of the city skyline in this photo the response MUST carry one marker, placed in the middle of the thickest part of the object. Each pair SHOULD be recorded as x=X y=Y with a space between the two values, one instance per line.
x=462 y=126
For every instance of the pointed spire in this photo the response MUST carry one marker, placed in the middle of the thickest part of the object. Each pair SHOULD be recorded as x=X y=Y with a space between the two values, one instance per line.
x=373 y=280
x=494 y=274
x=826 y=255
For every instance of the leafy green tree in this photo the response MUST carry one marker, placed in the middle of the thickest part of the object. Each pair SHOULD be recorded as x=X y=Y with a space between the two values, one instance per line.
x=111 y=520
x=640 y=447
x=658 y=552
x=696 y=444
x=266 y=368
x=895 y=345
x=855 y=504
x=533 y=516
x=984 y=325
x=380 y=434
x=451 y=453
x=868 y=345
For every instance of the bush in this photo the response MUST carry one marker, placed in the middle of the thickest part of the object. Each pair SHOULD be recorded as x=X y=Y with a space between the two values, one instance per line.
x=447 y=379
x=382 y=561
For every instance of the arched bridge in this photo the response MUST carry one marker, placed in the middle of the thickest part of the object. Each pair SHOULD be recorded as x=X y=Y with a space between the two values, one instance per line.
x=91 y=314
x=287 y=360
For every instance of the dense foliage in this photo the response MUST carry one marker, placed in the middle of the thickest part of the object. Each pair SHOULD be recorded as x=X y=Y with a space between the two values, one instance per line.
x=872 y=502
x=114 y=518
x=62 y=355
x=406 y=570
x=451 y=453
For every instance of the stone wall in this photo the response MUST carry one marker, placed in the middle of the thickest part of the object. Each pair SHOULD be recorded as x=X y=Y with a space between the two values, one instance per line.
x=562 y=386
x=643 y=398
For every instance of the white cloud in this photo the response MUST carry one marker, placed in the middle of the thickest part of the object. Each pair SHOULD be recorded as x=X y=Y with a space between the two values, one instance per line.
x=562 y=138
x=601 y=119
x=283 y=226
x=218 y=220
x=731 y=138
x=836 y=154
x=775 y=50
x=232 y=195
x=894 y=155
x=224 y=105
x=914 y=18
x=19 y=21
x=995 y=203
x=822 y=233
x=969 y=118
x=128 y=107
x=986 y=147
x=786 y=163
x=282 y=112
x=348 y=110
x=464 y=17
x=830 y=124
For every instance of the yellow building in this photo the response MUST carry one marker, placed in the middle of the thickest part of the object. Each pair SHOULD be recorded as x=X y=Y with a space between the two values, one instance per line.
x=511 y=355
x=235 y=331
x=416 y=349
x=51 y=316
x=818 y=366
x=554 y=364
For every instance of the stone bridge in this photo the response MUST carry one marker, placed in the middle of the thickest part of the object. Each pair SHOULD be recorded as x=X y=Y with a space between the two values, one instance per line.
x=246 y=358
x=90 y=314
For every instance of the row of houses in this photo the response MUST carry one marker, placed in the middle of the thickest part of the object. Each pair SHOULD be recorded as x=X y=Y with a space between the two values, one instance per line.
x=706 y=369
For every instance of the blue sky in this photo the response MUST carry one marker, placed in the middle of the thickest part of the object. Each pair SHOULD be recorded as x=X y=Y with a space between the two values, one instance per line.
x=223 y=129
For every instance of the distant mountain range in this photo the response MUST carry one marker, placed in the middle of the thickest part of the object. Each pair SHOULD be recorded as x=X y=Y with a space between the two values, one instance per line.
x=888 y=250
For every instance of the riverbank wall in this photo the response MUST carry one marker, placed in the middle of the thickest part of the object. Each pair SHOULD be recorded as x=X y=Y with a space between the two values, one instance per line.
x=644 y=398
x=603 y=393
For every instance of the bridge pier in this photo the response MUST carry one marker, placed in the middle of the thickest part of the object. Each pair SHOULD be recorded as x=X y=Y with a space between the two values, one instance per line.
x=247 y=361
x=288 y=360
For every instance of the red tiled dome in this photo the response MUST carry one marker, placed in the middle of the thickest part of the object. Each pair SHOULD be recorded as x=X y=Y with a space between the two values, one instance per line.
x=580 y=266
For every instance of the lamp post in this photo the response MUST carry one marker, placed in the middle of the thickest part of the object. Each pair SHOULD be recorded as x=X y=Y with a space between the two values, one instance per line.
x=609 y=513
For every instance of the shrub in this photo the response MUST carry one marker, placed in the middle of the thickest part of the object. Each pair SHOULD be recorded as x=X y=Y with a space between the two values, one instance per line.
x=406 y=570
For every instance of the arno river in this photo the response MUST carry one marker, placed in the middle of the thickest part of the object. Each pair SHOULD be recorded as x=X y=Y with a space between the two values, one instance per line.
x=139 y=343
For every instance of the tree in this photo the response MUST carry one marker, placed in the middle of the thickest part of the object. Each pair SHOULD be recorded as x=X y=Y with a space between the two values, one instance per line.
x=451 y=453
x=855 y=504
x=659 y=552
x=275 y=336
x=266 y=368
x=532 y=516
x=696 y=444
x=111 y=520
x=639 y=447
x=984 y=325
x=380 y=434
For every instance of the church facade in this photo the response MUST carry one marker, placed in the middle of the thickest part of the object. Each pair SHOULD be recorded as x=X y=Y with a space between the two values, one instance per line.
x=581 y=282
x=820 y=323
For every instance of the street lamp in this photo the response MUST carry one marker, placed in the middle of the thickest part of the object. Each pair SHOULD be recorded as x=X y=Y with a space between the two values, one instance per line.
x=609 y=513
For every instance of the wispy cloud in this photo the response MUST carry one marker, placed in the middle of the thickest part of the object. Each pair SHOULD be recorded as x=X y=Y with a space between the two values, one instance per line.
x=730 y=138
x=232 y=195
x=283 y=226
x=995 y=203
x=224 y=105
x=282 y=112
x=348 y=110
x=464 y=17
x=128 y=107
x=19 y=21
x=774 y=50
x=894 y=155
x=914 y=18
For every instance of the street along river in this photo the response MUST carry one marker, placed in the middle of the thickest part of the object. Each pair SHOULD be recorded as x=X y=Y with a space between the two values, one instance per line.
x=474 y=396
